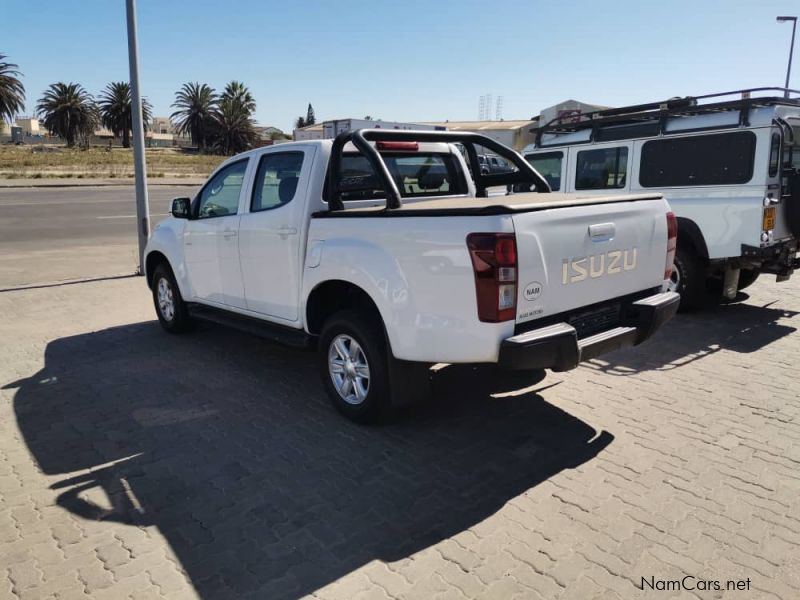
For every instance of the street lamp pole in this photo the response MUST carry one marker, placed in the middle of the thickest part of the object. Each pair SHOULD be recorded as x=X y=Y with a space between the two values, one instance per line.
x=139 y=165
x=791 y=51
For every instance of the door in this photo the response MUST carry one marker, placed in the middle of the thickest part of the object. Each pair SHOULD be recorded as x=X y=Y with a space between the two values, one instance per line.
x=270 y=232
x=211 y=238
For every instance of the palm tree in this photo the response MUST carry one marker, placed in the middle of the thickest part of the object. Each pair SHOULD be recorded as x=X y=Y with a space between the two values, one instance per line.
x=233 y=130
x=91 y=123
x=117 y=113
x=238 y=92
x=67 y=110
x=12 y=92
x=195 y=115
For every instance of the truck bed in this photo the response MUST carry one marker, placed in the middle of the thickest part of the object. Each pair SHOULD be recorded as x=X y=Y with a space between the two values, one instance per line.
x=493 y=205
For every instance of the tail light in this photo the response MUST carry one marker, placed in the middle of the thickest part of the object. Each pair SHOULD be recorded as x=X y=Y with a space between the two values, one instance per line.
x=494 y=261
x=672 y=243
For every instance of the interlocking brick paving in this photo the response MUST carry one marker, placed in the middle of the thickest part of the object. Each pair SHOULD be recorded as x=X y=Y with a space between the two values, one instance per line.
x=136 y=464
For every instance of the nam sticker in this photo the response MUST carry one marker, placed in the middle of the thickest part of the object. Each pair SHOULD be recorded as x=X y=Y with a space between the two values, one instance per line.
x=532 y=291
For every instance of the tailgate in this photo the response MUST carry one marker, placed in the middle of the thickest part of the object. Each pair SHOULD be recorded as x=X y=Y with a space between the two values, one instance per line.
x=577 y=256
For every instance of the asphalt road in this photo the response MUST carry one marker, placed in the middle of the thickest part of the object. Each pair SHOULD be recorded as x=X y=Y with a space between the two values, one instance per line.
x=56 y=234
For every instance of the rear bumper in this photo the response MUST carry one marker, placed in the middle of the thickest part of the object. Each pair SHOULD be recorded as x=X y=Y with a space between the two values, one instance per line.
x=557 y=346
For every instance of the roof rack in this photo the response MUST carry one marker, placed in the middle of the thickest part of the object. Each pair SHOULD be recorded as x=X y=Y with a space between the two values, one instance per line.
x=659 y=111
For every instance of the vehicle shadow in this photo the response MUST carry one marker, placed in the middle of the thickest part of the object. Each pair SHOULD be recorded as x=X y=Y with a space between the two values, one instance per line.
x=736 y=327
x=226 y=443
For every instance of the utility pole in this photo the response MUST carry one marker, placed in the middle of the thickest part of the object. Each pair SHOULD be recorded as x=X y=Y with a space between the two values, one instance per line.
x=791 y=50
x=139 y=165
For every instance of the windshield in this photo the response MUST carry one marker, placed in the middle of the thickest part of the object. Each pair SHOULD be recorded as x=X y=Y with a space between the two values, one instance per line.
x=419 y=174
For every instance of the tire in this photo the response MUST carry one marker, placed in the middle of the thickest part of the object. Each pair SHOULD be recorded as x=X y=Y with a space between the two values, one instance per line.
x=350 y=347
x=688 y=279
x=747 y=277
x=170 y=307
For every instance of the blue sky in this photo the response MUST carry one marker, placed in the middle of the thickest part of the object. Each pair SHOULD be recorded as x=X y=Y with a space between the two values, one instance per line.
x=410 y=60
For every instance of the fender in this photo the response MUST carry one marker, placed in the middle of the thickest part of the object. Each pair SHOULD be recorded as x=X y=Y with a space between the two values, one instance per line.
x=367 y=266
x=689 y=232
x=167 y=238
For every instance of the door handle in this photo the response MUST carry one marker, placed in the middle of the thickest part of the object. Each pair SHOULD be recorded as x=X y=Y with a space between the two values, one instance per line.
x=602 y=231
x=285 y=230
x=229 y=233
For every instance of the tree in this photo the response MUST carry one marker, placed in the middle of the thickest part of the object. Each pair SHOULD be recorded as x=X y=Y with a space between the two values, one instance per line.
x=310 y=118
x=233 y=128
x=236 y=91
x=299 y=123
x=90 y=123
x=196 y=103
x=67 y=110
x=12 y=92
x=116 y=110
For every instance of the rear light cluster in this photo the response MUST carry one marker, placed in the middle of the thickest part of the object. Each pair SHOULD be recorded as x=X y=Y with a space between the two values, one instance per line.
x=672 y=243
x=494 y=261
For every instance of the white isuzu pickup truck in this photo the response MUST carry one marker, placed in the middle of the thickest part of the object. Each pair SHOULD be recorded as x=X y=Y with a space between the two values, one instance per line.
x=383 y=249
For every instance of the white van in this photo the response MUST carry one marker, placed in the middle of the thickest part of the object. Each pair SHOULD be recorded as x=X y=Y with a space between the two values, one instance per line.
x=725 y=166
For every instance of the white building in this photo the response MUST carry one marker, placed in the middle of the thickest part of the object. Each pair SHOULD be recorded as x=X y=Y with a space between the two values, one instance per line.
x=327 y=130
x=29 y=125
x=309 y=132
x=514 y=134
x=566 y=109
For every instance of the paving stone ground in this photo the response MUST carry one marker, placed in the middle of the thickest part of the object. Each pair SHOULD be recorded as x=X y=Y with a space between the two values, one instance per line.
x=136 y=464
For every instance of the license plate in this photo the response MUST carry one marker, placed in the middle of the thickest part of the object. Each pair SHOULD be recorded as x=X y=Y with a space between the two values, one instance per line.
x=769 y=218
x=594 y=321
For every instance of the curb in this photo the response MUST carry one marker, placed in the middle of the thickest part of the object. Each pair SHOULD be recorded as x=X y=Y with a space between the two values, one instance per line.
x=91 y=184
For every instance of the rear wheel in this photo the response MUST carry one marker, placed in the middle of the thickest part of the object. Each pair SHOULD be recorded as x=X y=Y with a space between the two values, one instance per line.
x=688 y=279
x=354 y=366
x=170 y=307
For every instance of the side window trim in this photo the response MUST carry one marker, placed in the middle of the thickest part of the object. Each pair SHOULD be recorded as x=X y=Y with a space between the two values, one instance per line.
x=196 y=201
x=254 y=187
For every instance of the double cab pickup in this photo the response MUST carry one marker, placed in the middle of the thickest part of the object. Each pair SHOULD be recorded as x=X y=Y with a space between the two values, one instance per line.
x=390 y=251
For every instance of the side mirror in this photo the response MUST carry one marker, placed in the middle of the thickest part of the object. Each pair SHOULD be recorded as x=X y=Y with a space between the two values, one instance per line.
x=181 y=208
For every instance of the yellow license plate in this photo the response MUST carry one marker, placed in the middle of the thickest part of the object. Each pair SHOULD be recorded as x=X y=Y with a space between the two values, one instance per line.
x=769 y=218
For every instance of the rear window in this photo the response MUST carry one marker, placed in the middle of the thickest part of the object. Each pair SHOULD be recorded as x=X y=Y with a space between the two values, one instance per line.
x=549 y=166
x=601 y=169
x=416 y=175
x=719 y=159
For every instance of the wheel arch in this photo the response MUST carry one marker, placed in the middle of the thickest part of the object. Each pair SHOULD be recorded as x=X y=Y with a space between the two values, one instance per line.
x=689 y=234
x=333 y=295
x=151 y=262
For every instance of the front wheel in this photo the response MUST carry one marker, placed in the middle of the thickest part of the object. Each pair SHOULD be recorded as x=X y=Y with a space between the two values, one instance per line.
x=688 y=279
x=170 y=307
x=354 y=366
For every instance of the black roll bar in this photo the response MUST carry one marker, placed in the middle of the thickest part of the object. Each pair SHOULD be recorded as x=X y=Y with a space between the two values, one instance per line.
x=361 y=139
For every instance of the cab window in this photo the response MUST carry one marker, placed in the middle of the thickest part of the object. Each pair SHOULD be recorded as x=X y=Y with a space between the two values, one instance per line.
x=416 y=175
x=601 y=169
x=548 y=164
x=220 y=196
x=276 y=180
